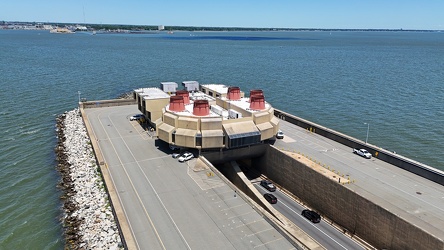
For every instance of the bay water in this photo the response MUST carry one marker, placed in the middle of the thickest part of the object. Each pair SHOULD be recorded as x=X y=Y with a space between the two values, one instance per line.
x=392 y=81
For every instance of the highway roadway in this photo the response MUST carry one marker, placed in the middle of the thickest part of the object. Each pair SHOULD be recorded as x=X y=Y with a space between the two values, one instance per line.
x=411 y=197
x=167 y=204
x=322 y=232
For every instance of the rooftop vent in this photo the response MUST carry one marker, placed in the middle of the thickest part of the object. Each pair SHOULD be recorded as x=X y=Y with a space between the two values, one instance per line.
x=185 y=94
x=256 y=92
x=177 y=103
x=233 y=93
x=257 y=102
x=201 y=108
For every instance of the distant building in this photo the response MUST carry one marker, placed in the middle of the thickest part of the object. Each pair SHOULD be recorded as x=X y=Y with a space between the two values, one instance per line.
x=214 y=117
x=161 y=27
x=81 y=28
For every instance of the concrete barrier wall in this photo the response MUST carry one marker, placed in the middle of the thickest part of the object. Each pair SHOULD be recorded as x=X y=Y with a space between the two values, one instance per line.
x=107 y=103
x=382 y=154
x=346 y=208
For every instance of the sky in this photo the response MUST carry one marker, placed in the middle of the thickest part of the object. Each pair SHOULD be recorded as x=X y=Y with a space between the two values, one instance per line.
x=324 y=14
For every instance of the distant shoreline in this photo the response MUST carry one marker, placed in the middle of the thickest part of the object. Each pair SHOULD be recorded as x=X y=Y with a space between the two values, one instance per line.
x=131 y=28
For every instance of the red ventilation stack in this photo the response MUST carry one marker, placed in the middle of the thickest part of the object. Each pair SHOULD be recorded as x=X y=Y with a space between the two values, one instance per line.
x=256 y=92
x=185 y=94
x=233 y=93
x=257 y=102
x=201 y=108
x=177 y=103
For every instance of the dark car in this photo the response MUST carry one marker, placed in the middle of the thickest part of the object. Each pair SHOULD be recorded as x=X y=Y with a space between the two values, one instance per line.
x=137 y=117
x=270 y=198
x=311 y=216
x=268 y=185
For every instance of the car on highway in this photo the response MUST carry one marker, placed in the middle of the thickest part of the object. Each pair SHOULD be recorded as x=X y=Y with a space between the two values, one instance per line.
x=186 y=157
x=280 y=135
x=311 y=215
x=270 y=198
x=137 y=117
x=362 y=152
x=268 y=185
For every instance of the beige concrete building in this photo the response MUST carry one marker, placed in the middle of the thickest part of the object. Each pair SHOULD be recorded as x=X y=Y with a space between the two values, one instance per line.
x=215 y=117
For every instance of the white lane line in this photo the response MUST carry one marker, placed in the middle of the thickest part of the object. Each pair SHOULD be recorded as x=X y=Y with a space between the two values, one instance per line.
x=269 y=242
x=151 y=185
x=246 y=224
x=121 y=202
x=283 y=203
x=313 y=225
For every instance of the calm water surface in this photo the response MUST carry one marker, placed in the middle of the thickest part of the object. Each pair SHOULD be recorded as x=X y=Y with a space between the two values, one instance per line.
x=391 y=80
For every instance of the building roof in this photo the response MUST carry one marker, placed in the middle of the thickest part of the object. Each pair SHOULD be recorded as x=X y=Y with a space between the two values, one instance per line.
x=218 y=88
x=151 y=93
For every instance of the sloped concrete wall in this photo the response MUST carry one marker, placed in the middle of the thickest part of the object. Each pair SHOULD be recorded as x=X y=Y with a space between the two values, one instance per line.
x=348 y=209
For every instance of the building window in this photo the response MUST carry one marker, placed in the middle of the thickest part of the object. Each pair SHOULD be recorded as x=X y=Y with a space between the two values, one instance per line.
x=199 y=140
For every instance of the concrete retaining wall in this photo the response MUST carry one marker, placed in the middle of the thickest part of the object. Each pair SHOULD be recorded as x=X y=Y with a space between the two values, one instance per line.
x=219 y=157
x=382 y=154
x=106 y=103
x=346 y=208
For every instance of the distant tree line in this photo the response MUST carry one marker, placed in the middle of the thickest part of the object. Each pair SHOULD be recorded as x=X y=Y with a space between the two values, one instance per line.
x=114 y=27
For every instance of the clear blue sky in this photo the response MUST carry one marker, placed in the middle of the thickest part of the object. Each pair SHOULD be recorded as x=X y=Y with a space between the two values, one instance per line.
x=366 y=14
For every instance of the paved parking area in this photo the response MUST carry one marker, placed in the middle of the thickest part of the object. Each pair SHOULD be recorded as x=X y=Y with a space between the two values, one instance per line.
x=167 y=204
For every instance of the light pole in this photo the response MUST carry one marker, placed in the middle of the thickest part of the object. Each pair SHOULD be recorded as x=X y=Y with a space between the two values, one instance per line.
x=78 y=92
x=368 y=128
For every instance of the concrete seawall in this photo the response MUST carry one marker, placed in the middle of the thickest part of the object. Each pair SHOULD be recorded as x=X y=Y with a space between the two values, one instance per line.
x=106 y=103
x=412 y=166
x=346 y=208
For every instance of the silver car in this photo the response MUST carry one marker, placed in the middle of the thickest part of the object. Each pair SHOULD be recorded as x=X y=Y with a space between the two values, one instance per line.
x=186 y=156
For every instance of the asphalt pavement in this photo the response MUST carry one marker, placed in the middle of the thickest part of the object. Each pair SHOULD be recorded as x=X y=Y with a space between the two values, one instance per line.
x=167 y=204
x=414 y=198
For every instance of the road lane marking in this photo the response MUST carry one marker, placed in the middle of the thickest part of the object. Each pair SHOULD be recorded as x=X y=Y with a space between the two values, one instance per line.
x=157 y=195
x=111 y=176
x=132 y=184
x=283 y=203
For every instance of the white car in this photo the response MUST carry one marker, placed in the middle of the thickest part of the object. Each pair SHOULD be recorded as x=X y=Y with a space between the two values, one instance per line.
x=186 y=156
x=136 y=117
x=362 y=152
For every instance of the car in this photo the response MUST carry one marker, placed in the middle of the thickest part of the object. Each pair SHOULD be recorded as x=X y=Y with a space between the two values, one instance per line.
x=185 y=157
x=175 y=155
x=311 y=215
x=268 y=185
x=270 y=198
x=280 y=135
x=362 y=152
x=136 y=117
x=173 y=147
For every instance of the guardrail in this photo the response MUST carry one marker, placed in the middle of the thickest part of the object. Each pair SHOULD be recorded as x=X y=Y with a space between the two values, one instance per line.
x=400 y=161
x=106 y=103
